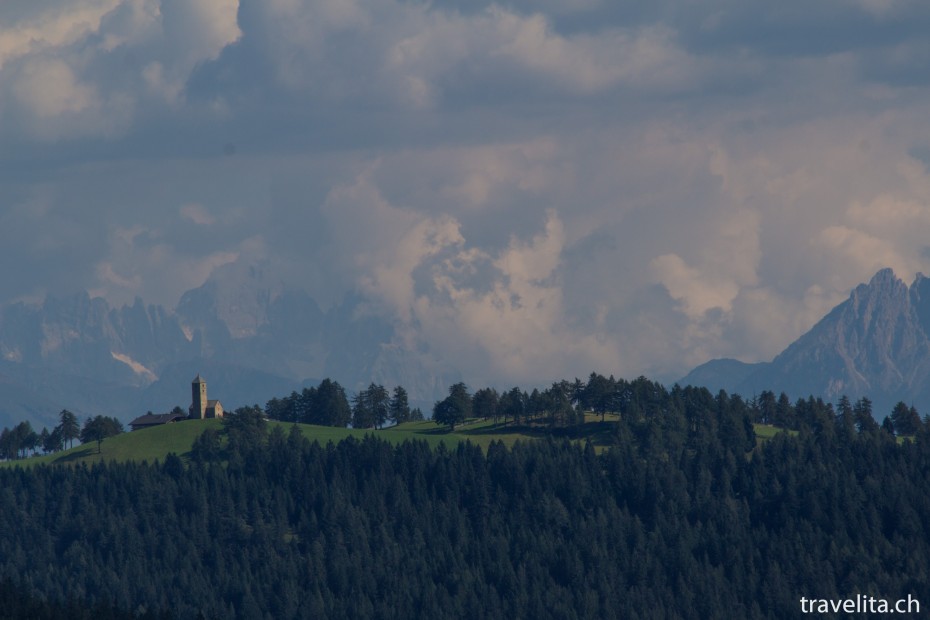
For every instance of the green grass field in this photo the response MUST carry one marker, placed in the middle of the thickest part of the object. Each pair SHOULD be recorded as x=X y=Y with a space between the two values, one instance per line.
x=153 y=444
x=764 y=432
x=149 y=444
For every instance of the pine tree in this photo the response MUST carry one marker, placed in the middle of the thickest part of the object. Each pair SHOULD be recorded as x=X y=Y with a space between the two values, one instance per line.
x=905 y=419
x=70 y=429
x=399 y=408
x=330 y=405
x=485 y=403
x=455 y=408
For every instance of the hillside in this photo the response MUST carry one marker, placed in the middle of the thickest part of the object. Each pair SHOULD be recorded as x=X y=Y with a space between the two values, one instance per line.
x=686 y=517
x=876 y=344
x=154 y=444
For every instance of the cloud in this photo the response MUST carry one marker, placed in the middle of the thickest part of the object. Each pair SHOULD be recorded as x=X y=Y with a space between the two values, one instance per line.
x=87 y=69
x=697 y=293
x=61 y=26
x=140 y=259
x=530 y=189
x=495 y=310
x=529 y=44
x=729 y=262
x=197 y=213
x=888 y=231
x=880 y=8
x=414 y=57
x=515 y=321
x=55 y=103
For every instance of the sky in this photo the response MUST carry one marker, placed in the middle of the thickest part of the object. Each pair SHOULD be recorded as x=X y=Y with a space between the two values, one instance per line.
x=531 y=190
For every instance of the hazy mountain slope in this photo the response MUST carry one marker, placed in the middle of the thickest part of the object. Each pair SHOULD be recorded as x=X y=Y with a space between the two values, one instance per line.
x=251 y=338
x=18 y=402
x=721 y=374
x=874 y=344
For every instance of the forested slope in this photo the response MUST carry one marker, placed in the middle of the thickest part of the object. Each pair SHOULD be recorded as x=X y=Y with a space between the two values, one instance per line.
x=684 y=518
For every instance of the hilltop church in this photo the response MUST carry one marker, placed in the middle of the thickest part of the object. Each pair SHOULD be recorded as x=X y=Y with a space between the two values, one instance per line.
x=201 y=407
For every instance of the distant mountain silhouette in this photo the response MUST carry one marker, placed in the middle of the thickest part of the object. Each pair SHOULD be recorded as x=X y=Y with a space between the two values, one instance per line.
x=875 y=344
x=250 y=337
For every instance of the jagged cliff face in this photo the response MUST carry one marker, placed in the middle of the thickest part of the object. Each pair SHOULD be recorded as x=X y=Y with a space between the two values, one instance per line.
x=255 y=339
x=874 y=344
x=85 y=336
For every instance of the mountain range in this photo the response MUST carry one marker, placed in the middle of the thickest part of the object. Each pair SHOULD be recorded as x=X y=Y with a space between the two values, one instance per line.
x=876 y=344
x=249 y=336
x=252 y=338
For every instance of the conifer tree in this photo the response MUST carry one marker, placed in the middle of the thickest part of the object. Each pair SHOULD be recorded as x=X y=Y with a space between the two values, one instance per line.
x=399 y=408
x=70 y=429
x=455 y=408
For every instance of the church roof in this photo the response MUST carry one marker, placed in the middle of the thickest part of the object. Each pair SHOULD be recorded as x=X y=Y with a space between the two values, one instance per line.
x=198 y=379
x=154 y=419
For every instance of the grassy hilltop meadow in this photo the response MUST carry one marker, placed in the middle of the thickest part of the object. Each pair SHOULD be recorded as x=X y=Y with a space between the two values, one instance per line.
x=155 y=443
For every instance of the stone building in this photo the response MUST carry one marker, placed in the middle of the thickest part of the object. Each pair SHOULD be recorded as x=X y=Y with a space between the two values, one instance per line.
x=155 y=419
x=201 y=407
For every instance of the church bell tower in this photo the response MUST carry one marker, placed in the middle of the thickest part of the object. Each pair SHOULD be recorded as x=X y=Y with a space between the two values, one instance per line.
x=198 y=410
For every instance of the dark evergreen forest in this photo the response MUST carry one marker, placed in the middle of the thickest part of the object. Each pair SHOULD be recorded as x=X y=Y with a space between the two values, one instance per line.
x=684 y=517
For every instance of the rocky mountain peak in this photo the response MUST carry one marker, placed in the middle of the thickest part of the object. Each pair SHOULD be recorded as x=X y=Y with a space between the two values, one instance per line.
x=884 y=276
x=875 y=344
x=237 y=295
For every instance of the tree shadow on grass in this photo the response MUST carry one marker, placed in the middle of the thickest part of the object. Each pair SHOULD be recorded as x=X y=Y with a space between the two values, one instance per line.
x=439 y=430
x=598 y=433
x=465 y=429
x=506 y=428
x=77 y=455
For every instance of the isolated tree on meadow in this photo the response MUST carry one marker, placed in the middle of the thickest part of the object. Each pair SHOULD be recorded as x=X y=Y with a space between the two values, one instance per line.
x=330 y=406
x=54 y=441
x=597 y=395
x=511 y=404
x=69 y=427
x=455 y=408
x=28 y=438
x=99 y=428
x=399 y=407
x=370 y=407
x=485 y=403
x=379 y=400
x=362 y=414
